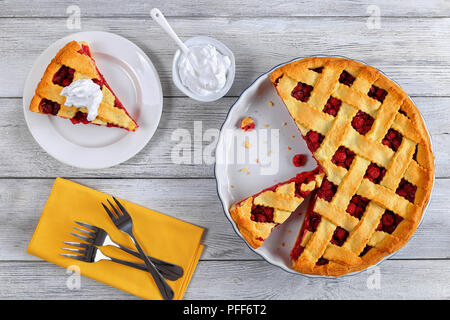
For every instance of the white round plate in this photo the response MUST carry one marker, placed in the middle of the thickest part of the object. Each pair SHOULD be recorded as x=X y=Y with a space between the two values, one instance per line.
x=134 y=79
x=235 y=184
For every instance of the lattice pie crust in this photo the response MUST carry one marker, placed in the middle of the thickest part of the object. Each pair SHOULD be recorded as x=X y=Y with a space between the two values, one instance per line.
x=370 y=142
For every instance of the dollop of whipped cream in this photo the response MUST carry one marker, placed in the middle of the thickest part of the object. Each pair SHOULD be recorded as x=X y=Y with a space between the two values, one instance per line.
x=83 y=93
x=204 y=69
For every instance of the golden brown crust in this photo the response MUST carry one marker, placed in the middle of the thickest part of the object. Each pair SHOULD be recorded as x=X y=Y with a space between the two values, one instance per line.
x=84 y=67
x=368 y=148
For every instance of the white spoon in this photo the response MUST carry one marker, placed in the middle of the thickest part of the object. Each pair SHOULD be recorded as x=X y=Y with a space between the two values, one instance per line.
x=161 y=20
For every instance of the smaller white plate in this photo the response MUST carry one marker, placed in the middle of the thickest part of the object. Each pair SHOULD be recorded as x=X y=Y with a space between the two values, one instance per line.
x=134 y=79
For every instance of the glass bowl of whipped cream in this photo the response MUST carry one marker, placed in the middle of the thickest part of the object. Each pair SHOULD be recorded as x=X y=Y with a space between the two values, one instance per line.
x=207 y=72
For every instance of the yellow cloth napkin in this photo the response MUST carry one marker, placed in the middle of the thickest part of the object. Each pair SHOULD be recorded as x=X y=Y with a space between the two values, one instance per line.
x=161 y=236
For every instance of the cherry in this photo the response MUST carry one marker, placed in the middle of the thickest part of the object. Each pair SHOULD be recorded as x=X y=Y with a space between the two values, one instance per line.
x=377 y=93
x=362 y=122
x=302 y=91
x=299 y=160
x=346 y=78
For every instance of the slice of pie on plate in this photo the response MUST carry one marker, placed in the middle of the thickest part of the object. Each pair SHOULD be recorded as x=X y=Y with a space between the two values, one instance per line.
x=370 y=141
x=75 y=62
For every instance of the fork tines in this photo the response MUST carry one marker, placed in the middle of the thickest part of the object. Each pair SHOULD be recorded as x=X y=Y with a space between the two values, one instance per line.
x=118 y=214
x=82 y=251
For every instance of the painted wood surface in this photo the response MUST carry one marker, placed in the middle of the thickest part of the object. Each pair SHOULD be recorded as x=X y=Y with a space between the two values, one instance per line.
x=410 y=46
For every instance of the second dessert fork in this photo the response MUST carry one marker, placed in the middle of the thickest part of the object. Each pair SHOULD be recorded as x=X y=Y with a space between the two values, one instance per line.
x=123 y=221
x=97 y=237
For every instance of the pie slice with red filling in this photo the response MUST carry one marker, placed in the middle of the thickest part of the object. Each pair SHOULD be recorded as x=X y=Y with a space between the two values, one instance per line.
x=257 y=215
x=73 y=62
x=370 y=141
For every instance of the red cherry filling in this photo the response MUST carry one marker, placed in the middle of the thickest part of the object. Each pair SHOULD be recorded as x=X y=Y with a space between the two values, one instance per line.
x=297 y=249
x=313 y=140
x=277 y=80
x=302 y=91
x=362 y=122
x=299 y=160
x=249 y=127
x=357 y=206
x=312 y=221
x=389 y=221
x=377 y=93
x=327 y=190
x=346 y=78
x=343 y=157
x=366 y=249
x=321 y=262
x=64 y=76
x=304 y=178
x=407 y=190
x=375 y=173
x=262 y=214
x=85 y=50
x=332 y=106
x=339 y=236
x=49 y=107
x=393 y=139
x=318 y=70
x=80 y=117
x=415 y=153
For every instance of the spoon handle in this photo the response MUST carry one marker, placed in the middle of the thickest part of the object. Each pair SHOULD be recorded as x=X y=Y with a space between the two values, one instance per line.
x=161 y=20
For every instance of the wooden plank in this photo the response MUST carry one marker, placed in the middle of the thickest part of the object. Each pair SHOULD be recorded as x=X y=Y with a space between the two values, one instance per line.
x=21 y=156
x=243 y=280
x=194 y=201
x=409 y=50
x=201 y=8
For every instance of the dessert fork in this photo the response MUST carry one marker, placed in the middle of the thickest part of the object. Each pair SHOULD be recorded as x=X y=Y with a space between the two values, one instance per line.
x=90 y=253
x=123 y=221
x=97 y=237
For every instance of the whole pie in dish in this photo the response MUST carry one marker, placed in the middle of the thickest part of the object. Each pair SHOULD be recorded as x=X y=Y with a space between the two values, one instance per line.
x=74 y=62
x=370 y=142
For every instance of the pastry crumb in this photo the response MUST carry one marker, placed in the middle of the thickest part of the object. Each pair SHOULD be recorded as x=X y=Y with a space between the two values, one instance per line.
x=266 y=125
x=244 y=169
x=284 y=123
x=247 y=124
x=289 y=148
x=289 y=231
x=232 y=186
x=271 y=103
x=247 y=144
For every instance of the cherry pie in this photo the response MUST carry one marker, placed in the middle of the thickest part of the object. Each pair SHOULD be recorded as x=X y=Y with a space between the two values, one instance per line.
x=73 y=62
x=370 y=142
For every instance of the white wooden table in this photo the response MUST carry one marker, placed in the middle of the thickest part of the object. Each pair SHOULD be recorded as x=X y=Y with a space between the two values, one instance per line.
x=411 y=46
